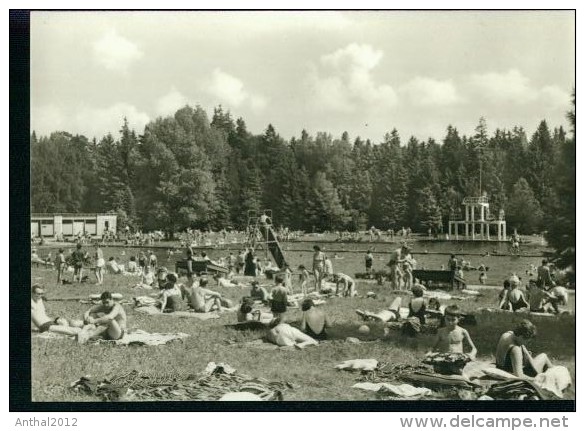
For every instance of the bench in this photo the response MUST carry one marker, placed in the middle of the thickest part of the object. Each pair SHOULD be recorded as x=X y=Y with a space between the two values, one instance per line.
x=449 y=278
x=200 y=267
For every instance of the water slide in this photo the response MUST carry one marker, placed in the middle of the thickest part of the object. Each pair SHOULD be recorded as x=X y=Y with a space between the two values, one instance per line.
x=273 y=246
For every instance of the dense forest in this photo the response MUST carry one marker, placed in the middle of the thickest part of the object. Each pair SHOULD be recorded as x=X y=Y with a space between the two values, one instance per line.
x=185 y=170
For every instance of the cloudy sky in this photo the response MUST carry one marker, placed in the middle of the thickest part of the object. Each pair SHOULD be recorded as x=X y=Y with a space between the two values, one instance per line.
x=361 y=72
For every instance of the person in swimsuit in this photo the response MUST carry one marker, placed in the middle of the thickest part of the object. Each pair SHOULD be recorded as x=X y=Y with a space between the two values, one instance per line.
x=284 y=335
x=108 y=317
x=450 y=338
x=318 y=266
x=417 y=306
x=278 y=297
x=314 y=322
x=389 y=315
x=258 y=292
x=512 y=298
x=170 y=296
x=513 y=356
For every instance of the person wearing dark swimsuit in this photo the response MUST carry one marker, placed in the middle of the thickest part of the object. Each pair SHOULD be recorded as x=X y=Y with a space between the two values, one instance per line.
x=314 y=322
x=513 y=356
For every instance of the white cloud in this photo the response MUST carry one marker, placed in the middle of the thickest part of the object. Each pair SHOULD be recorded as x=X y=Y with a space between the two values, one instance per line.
x=513 y=87
x=170 y=102
x=345 y=83
x=509 y=87
x=555 y=97
x=99 y=121
x=115 y=52
x=424 y=91
x=46 y=119
x=230 y=90
x=86 y=120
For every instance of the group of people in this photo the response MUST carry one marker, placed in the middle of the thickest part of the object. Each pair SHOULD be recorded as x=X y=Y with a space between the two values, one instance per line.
x=105 y=320
x=541 y=296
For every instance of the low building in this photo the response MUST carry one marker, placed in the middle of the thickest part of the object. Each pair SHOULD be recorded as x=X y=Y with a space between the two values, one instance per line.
x=71 y=225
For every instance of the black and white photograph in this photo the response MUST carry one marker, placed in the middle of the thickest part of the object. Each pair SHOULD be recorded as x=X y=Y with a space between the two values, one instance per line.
x=302 y=206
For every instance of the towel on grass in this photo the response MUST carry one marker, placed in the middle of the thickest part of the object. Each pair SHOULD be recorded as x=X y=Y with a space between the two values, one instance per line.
x=405 y=391
x=358 y=364
x=151 y=310
x=556 y=379
x=138 y=337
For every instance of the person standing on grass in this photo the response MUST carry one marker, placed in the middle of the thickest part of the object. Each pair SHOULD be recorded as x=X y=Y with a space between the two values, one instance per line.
x=60 y=265
x=544 y=278
x=278 y=297
x=395 y=263
x=318 y=266
x=39 y=318
x=78 y=257
x=304 y=279
x=450 y=338
x=100 y=263
x=108 y=318
x=513 y=356
x=369 y=261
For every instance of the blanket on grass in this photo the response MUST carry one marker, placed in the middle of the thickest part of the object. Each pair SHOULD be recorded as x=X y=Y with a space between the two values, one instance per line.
x=211 y=384
x=152 y=310
x=139 y=337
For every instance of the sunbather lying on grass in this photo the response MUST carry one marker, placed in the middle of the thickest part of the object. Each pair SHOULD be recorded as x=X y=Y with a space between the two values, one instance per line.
x=391 y=314
x=282 y=334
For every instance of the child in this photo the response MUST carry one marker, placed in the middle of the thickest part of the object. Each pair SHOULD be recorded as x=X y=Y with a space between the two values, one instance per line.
x=450 y=338
x=278 y=297
x=304 y=279
x=482 y=278
x=418 y=305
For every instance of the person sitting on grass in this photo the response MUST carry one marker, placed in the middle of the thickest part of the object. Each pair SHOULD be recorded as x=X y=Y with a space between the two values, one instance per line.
x=450 y=338
x=225 y=281
x=170 y=297
x=314 y=321
x=147 y=278
x=42 y=322
x=417 y=306
x=258 y=292
x=513 y=356
x=113 y=267
x=201 y=299
x=161 y=277
x=514 y=298
x=284 y=335
x=132 y=265
x=246 y=313
x=347 y=285
x=391 y=314
x=278 y=297
x=540 y=300
x=108 y=320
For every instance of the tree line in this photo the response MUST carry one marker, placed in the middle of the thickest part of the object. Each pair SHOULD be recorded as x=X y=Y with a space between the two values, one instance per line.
x=187 y=171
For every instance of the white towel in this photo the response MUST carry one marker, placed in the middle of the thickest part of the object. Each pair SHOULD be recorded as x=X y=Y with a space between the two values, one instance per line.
x=404 y=390
x=358 y=364
x=556 y=379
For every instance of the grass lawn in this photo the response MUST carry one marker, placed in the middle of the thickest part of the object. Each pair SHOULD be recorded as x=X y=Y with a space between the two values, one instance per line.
x=58 y=362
